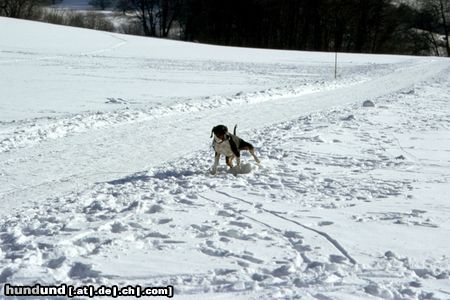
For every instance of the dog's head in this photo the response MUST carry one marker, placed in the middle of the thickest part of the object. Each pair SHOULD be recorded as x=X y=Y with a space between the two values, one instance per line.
x=220 y=131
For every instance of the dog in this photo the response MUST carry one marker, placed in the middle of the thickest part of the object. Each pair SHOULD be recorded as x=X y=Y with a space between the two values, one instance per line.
x=229 y=145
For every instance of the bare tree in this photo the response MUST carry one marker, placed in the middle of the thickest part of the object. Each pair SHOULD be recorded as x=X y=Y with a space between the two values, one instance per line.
x=440 y=10
x=156 y=16
x=145 y=11
x=168 y=11
x=102 y=4
x=18 y=8
x=124 y=5
x=444 y=9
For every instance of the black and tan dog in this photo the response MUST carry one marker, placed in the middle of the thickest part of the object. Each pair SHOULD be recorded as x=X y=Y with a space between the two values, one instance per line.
x=230 y=146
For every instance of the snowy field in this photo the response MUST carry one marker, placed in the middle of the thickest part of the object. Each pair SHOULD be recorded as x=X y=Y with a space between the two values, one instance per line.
x=105 y=157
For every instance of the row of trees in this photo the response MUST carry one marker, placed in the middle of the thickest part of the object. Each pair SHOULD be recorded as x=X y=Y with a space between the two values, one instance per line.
x=20 y=8
x=370 y=26
x=35 y=10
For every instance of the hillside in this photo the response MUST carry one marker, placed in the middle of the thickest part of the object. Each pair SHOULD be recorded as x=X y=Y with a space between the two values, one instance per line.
x=105 y=168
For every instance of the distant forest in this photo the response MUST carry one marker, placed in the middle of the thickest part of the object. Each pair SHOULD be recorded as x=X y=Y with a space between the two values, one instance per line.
x=361 y=26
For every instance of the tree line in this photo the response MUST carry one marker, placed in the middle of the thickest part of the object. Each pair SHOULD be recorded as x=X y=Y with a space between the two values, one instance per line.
x=362 y=26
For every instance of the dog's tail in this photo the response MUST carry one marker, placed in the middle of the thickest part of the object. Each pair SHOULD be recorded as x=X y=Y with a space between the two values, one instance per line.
x=234 y=130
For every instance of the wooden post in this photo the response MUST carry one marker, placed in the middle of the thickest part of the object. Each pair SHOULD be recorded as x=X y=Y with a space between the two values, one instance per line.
x=335 y=65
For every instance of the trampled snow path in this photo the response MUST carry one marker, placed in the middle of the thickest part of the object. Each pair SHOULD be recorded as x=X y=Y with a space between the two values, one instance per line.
x=374 y=180
x=68 y=164
x=27 y=133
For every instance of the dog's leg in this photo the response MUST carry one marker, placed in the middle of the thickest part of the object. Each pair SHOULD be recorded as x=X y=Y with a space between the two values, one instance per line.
x=229 y=160
x=238 y=161
x=251 y=149
x=216 y=163
x=252 y=152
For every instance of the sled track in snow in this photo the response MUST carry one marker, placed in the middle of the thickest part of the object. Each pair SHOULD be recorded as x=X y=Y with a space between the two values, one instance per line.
x=334 y=242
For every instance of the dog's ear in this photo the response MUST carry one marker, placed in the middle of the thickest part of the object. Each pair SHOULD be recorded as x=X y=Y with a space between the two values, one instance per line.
x=212 y=130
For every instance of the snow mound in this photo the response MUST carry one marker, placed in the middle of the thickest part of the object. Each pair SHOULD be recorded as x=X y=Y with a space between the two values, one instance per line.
x=368 y=103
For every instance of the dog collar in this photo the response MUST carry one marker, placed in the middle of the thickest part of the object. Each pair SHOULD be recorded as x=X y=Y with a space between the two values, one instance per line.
x=228 y=138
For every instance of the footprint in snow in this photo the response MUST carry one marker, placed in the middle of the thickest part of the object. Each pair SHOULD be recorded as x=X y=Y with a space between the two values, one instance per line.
x=155 y=209
x=251 y=258
x=156 y=234
x=325 y=223
x=164 y=221
x=339 y=259
x=112 y=100
x=5 y=274
x=283 y=270
x=187 y=202
x=82 y=271
x=118 y=227
x=56 y=262
x=224 y=213
x=235 y=234
x=214 y=252
x=240 y=224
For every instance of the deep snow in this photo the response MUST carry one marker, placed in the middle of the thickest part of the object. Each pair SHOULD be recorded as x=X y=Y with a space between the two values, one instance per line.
x=105 y=157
